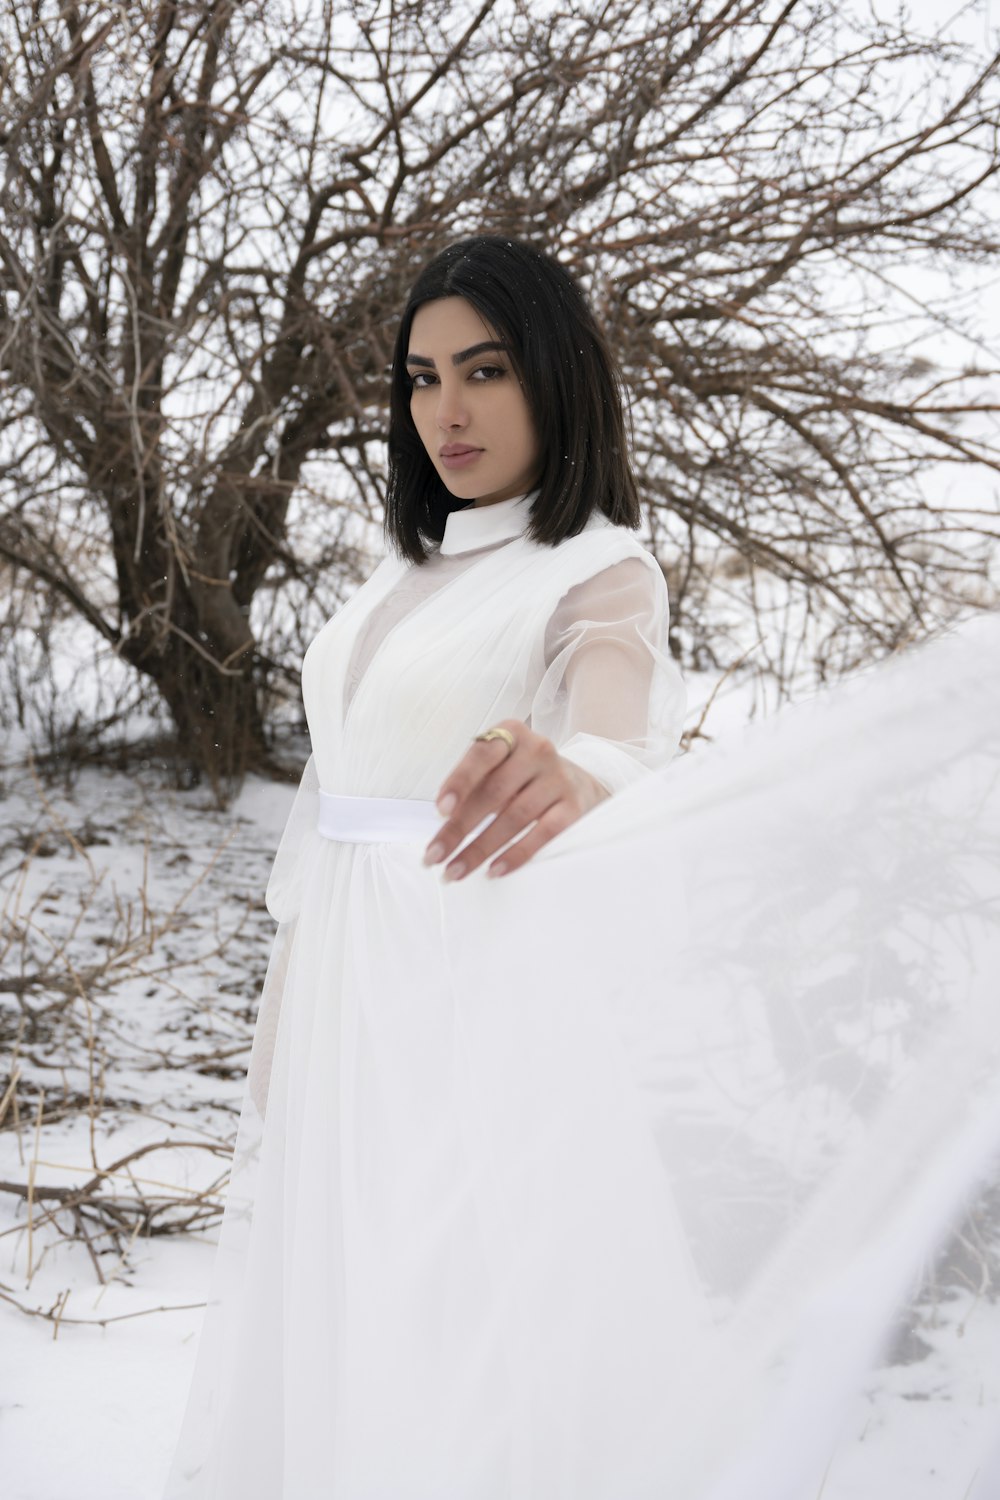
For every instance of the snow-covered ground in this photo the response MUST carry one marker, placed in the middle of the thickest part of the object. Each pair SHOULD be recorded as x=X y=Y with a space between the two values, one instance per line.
x=135 y=939
x=148 y=901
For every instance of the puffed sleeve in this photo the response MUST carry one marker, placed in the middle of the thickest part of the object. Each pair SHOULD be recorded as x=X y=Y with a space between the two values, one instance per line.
x=612 y=698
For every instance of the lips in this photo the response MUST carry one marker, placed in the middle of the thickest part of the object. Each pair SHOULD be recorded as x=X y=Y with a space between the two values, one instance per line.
x=458 y=455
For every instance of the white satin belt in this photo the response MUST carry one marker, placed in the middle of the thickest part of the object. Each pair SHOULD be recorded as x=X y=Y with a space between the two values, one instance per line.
x=376 y=820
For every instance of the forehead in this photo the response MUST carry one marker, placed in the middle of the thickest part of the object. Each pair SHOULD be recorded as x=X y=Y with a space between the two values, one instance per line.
x=446 y=326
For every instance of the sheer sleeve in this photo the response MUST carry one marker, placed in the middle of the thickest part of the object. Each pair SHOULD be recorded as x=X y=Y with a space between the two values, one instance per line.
x=612 y=699
x=284 y=887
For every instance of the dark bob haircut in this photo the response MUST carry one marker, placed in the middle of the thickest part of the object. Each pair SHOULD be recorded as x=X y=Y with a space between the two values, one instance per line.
x=569 y=379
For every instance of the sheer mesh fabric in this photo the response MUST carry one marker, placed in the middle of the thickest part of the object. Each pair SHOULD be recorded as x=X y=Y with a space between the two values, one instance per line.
x=610 y=696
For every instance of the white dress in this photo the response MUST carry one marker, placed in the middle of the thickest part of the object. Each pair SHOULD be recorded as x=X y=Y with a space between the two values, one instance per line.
x=604 y=1180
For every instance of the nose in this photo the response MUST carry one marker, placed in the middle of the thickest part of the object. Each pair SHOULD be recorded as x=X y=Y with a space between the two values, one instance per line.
x=451 y=413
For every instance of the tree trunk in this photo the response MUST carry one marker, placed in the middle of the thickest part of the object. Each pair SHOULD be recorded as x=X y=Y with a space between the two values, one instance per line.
x=186 y=630
x=217 y=713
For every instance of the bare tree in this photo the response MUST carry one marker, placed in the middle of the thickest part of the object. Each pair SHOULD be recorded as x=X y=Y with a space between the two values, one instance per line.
x=211 y=212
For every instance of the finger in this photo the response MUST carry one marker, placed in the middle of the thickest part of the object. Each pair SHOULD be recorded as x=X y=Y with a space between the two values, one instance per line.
x=534 y=757
x=525 y=809
x=559 y=816
x=490 y=798
x=498 y=789
x=482 y=757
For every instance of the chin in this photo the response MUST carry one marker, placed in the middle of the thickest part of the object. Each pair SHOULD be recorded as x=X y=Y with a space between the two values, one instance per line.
x=463 y=491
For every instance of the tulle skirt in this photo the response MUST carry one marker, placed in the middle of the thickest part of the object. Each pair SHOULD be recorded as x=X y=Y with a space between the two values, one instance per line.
x=607 y=1179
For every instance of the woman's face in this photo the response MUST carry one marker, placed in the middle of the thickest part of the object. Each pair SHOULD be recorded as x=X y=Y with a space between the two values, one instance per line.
x=468 y=406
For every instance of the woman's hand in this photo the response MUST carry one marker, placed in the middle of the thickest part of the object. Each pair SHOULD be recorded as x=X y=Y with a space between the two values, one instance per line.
x=529 y=785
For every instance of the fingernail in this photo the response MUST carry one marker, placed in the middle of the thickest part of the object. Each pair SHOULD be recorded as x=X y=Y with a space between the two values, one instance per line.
x=498 y=869
x=434 y=853
x=447 y=804
x=454 y=872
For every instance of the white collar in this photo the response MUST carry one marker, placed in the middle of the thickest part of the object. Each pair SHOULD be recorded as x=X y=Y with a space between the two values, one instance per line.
x=482 y=525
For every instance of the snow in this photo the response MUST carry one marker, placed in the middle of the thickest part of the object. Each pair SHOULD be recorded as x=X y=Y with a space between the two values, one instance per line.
x=143 y=904
x=88 y=1410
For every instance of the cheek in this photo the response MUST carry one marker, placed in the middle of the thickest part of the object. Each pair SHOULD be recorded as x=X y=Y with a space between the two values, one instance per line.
x=419 y=418
x=530 y=441
x=518 y=422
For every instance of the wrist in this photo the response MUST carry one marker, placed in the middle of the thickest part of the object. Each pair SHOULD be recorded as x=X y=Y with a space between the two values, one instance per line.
x=589 y=790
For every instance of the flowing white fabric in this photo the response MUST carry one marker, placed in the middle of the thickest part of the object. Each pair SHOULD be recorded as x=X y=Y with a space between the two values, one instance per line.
x=605 y=1180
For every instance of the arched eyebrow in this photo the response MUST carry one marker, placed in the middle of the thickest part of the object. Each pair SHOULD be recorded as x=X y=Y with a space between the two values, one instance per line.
x=490 y=347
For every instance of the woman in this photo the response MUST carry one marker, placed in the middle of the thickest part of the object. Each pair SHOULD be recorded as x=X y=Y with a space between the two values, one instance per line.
x=540 y=1178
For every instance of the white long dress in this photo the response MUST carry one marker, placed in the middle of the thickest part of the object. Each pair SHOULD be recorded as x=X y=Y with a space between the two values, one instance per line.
x=602 y=1181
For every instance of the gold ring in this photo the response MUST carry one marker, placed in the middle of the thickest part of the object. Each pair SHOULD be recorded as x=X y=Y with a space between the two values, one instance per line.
x=498 y=734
